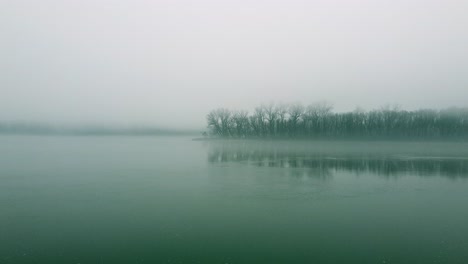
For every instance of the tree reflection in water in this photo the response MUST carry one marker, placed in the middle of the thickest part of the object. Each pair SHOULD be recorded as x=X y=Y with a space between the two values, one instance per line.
x=323 y=161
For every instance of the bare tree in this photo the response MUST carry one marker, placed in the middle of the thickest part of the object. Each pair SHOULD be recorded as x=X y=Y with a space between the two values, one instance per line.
x=219 y=122
x=295 y=112
x=282 y=110
x=271 y=116
x=318 y=120
x=241 y=123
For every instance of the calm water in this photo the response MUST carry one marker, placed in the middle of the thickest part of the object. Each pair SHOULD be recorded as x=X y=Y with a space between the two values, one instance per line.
x=174 y=200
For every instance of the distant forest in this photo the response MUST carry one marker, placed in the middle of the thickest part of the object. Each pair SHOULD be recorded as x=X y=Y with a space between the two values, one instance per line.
x=22 y=128
x=319 y=121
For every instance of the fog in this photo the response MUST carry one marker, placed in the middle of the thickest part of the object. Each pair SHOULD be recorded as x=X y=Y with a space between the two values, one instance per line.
x=168 y=63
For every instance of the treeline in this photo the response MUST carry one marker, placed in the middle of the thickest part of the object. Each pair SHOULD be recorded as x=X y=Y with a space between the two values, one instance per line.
x=319 y=121
x=24 y=128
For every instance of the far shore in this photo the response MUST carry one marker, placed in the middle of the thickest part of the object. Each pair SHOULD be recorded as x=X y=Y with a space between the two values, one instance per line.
x=331 y=139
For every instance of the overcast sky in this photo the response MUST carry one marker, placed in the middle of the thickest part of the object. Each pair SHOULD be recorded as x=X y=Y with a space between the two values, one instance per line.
x=169 y=62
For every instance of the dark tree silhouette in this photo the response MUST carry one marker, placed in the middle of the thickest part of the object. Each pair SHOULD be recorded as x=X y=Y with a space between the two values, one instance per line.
x=318 y=121
x=219 y=122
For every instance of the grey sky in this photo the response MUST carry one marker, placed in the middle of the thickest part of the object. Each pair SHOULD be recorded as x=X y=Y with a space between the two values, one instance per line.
x=169 y=62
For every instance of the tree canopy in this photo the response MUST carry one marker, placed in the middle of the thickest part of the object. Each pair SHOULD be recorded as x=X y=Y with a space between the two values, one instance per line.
x=319 y=121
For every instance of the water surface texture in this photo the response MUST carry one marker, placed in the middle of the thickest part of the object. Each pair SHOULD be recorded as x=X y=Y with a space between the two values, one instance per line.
x=120 y=199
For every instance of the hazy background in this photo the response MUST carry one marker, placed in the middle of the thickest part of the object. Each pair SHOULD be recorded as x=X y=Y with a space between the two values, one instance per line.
x=167 y=63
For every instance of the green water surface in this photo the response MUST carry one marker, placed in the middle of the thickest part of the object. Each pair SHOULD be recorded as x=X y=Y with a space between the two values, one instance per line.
x=119 y=199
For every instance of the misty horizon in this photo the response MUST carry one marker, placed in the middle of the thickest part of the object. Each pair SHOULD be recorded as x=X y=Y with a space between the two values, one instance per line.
x=128 y=127
x=168 y=63
x=234 y=131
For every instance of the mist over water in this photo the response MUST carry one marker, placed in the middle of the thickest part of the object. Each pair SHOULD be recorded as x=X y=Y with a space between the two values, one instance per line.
x=171 y=199
x=211 y=131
